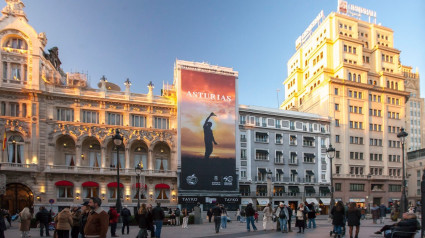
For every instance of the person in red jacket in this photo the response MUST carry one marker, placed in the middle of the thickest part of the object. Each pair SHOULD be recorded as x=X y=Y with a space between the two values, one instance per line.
x=113 y=220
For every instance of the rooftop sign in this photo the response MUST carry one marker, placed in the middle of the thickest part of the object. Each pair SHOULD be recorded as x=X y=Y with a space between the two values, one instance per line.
x=307 y=33
x=355 y=11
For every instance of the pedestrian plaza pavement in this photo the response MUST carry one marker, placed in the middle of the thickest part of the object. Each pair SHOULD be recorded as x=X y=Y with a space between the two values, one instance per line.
x=234 y=229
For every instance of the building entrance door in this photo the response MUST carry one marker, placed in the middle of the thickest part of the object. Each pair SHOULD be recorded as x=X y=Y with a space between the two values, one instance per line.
x=17 y=197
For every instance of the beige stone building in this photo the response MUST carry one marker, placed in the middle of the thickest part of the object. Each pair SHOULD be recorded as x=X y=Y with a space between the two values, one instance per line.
x=58 y=130
x=414 y=110
x=415 y=171
x=349 y=70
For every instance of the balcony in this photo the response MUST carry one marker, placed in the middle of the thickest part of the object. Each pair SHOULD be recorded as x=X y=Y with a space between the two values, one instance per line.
x=293 y=162
x=106 y=171
x=5 y=166
x=292 y=128
x=278 y=161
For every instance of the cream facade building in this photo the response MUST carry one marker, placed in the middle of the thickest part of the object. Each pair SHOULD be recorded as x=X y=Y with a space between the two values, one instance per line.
x=414 y=110
x=58 y=130
x=349 y=70
x=415 y=171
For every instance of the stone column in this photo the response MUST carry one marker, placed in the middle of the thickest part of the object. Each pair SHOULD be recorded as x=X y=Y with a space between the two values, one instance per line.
x=103 y=157
x=150 y=160
x=127 y=159
x=78 y=151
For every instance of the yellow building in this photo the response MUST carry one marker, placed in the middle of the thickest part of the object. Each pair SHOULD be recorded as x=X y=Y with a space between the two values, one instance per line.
x=58 y=130
x=349 y=70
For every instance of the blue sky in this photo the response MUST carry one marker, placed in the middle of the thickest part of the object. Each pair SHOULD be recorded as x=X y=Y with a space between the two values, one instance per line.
x=141 y=40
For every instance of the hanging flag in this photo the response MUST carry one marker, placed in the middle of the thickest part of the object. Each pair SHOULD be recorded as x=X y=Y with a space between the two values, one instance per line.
x=4 y=139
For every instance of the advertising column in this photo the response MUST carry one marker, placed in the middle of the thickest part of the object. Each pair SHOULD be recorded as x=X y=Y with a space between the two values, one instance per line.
x=207 y=114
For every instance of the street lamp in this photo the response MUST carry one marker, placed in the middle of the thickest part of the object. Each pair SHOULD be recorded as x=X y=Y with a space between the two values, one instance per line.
x=139 y=170
x=330 y=152
x=269 y=184
x=118 y=140
x=403 y=202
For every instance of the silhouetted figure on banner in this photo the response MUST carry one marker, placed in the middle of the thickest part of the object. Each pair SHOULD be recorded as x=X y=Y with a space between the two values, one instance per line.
x=208 y=136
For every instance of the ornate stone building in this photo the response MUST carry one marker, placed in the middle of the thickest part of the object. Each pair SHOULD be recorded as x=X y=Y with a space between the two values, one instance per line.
x=57 y=130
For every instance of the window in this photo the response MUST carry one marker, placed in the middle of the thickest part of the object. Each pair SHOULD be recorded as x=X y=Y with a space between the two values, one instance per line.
x=336 y=107
x=337 y=154
x=5 y=75
x=336 y=91
x=113 y=192
x=16 y=71
x=394 y=188
x=114 y=119
x=14 y=109
x=279 y=138
x=89 y=192
x=261 y=155
x=242 y=119
x=262 y=137
x=15 y=149
x=243 y=173
x=337 y=139
x=308 y=158
x=243 y=154
x=337 y=186
x=292 y=140
x=16 y=43
x=356 y=187
x=138 y=120
x=161 y=123
x=336 y=122
x=65 y=192
x=90 y=117
x=65 y=114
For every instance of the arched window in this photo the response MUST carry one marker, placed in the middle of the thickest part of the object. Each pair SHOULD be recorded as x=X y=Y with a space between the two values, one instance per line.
x=94 y=155
x=15 y=149
x=16 y=43
x=349 y=76
x=359 y=78
x=396 y=86
x=354 y=77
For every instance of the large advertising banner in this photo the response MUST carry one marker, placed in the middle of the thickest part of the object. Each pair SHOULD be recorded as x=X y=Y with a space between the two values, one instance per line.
x=207 y=128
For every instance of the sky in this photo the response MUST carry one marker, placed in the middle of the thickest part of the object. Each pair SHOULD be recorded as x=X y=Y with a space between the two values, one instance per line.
x=141 y=40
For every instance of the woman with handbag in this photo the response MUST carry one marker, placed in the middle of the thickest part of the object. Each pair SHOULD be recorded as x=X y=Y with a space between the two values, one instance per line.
x=300 y=220
x=25 y=217
x=267 y=216
x=142 y=218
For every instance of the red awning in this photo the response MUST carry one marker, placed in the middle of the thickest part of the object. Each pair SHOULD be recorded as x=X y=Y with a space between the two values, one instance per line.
x=64 y=183
x=137 y=185
x=90 y=184
x=162 y=186
x=114 y=185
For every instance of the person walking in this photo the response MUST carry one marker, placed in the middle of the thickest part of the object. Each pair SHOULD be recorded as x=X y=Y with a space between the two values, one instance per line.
x=142 y=218
x=64 y=223
x=338 y=213
x=311 y=216
x=97 y=220
x=85 y=209
x=209 y=215
x=158 y=217
x=250 y=212
x=76 y=216
x=223 y=217
x=24 y=227
x=300 y=218
x=216 y=211
x=151 y=226
x=282 y=214
x=267 y=217
x=172 y=219
x=353 y=219
x=43 y=217
x=290 y=213
x=125 y=214
x=382 y=213
x=113 y=220
x=177 y=212
x=185 y=218
x=238 y=215
x=375 y=213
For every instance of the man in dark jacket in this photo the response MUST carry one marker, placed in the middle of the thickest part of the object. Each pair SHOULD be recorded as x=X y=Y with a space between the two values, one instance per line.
x=311 y=215
x=250 y=212
x=383 y=213
x=216 y=212
x=125 y=214
x=158 y=215
x=409 y=223
x=43 y=216
x=289 y=218
x=85 y=209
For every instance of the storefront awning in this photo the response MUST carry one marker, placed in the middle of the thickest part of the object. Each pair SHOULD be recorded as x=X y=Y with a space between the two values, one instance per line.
x=310 y=200
x=309 y=172
x=309 y=189
x=64 y=183
x=162 y=186
x=324 y=189
x=263 y=201
x=114 y=185
x=246 y=201
x=326 y=201
x=294 y=189
x=262 y=170
x=294 y=171
x=90 y=184
x=356 y=200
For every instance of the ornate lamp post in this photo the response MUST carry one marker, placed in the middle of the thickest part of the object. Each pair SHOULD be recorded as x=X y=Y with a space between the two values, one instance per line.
x=118 y=141
x=330 y=152
x=139 y=170
x=269 y=184
x=403 y=202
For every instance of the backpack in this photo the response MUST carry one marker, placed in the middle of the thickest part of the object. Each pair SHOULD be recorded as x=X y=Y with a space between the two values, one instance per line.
x=282 y=214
